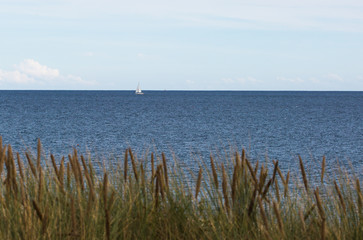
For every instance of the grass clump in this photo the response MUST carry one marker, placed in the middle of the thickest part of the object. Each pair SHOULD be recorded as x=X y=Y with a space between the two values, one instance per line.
x=43 y=198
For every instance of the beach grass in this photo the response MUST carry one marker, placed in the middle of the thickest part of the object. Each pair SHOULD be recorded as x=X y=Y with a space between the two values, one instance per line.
x=69 y=198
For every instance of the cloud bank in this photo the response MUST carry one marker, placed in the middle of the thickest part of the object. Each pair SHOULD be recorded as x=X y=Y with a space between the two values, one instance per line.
x=30 y=74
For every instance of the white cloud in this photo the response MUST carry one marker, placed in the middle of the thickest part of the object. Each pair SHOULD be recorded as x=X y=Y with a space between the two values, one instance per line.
x=15 y=76
x=30 y=74
x=34 y=69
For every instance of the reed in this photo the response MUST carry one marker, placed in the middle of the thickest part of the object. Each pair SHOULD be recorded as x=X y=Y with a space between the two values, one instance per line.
x=340 y=196
x=263 y=214
x=165 y=167
x=214 y=172
x=20 y=166
x=224 y=189
x=134 y=167
x=302 y=168
x=39 y=149
x=234 y=182
x=199 y=182
x=322 y=169
x=125 y=165
x=48 y=201
x=279 y=219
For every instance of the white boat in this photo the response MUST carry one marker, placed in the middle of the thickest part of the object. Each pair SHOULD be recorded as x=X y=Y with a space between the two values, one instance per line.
x=138 y=90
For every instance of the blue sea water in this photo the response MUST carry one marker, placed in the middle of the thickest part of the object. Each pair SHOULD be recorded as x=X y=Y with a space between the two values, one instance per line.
x=278 y=124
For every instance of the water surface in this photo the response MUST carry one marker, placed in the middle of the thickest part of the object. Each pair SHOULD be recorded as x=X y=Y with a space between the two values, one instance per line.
x=280 y=124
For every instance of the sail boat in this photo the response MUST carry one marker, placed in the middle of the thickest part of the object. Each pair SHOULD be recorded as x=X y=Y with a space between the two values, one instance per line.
x=138 y=90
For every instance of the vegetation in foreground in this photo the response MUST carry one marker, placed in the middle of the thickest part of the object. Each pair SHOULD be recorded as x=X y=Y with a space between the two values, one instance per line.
x=40 y=199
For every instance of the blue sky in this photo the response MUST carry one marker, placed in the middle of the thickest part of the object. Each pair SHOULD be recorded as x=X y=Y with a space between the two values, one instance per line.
x=182 y=45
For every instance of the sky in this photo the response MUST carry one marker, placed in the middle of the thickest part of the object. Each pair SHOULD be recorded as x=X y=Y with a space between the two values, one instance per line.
x=181 y=45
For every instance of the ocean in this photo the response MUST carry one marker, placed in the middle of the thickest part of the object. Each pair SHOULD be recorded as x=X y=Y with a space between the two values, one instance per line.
x=189 y=124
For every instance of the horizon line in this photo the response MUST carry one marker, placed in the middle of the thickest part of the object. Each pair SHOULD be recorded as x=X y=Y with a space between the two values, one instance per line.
x=181 y=90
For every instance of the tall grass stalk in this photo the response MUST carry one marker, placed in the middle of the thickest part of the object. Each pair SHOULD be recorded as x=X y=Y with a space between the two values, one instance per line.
x=49 y=198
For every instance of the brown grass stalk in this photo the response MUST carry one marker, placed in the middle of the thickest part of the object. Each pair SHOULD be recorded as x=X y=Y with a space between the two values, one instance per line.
x=45 y=222
x=307 y=214
x=54 y=164
x=20 y=166
x=107 y=225
x=142 y=173
x=111 y=200
x=152 y=165
x=276 y=165
x=277 y=191
x=105 y=188
x=2 y=159
x=238 y=160
x=156 y=193
x=12 y=171
x=262 y=178
x=73 y=217
x=340 y=196
x=224 y=189
x=319 y=204
x=161 y=179
x=243 y=155
x=68 y=175
x=301 y=216
x=252 y=202
x=279 y=219
x=84 y=164
x=125 y=165
x=107 y=217
x=265 y=190
x=165 y=170
x=303 y=174
x=323 y=229
x=78 y=169
x=214 y=172
x=199 y=182
x=61 y=172
x=281 y=175
x=40 y=185
x=360 y=197
x=31 y=165
x=22 y=192
x=263 y=214
x=251 y=171
x=133 y=162
x=234 y=182
x=322 y=170
x=39 y=149
x=286 y=186
x=37 y=210
x=90 y=186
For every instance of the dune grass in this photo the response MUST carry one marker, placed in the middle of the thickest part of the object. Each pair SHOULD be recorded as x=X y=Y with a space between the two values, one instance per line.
x=48 y=198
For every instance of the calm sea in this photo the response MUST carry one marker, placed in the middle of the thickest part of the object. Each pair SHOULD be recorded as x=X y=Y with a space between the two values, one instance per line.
x=278 y=124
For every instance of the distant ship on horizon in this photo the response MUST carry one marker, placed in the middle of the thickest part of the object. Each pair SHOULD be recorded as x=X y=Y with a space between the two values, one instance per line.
x=138 y=90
